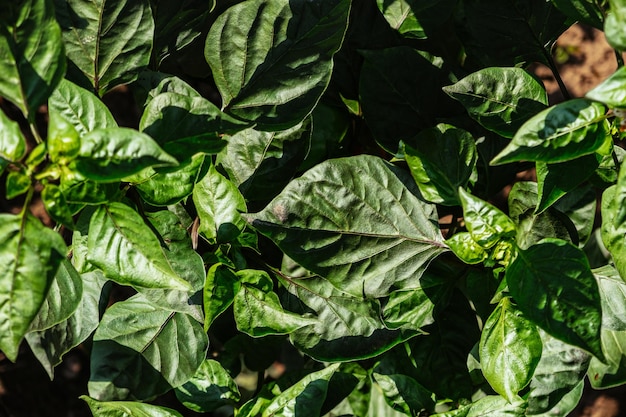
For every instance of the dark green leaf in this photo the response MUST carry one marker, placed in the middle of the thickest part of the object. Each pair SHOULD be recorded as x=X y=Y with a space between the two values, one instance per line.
x=141 y=350
x=486 y=224
x=560 y=133
x=12 y=142
x=567 y=404
x=220 y=287
x=510 y=349
x=107 y=42
x=403 y=393
x=262 y=163
x=127 y=409
x=56 y=205
x=611 y=91
x=554 y=287
x=500 y=99
x=118 y=229
x=150 y=84
x=30 y=254
x=437 y=175
x=18 y=183
x=31 y=53
x=611 y=372
x=386 y=241
x=112 y=154
x=210 y=388
x=416 y=19
x=272 y=59
x=587 y=11
x=219 y=204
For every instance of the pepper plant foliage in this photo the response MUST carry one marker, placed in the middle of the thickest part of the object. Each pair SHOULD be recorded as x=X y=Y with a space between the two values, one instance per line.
x=313 y=183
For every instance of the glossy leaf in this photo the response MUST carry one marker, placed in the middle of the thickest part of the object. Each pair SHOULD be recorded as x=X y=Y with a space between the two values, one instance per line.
x=31 y=254
x=610 y=91
x=80 y=107
x=112 y=154
x=510 y=349
x=557 y=134
x=210 y=388
x=127 y=409
x=32 y=57
x=403 y=393
x=17 y=183
x=12 y=142
x=415 y=19
x=437 y=176
x=51 y=344
x=496 y=406
x=219 y=204
x=118 y=229
x=611 y=371
x=613 y=24
x=220 y=287
x=185 y=125
x=262 y=163
x=108 y=43
x=561 y=369
x=613 y=295
x=554 y=287
x=467 y=250
x=56 y=205
x=614 y=222
x=387 y=240
x=272 y=59
x=486 y=224
x=500 y=99
x=141 y=350
x=150 y=84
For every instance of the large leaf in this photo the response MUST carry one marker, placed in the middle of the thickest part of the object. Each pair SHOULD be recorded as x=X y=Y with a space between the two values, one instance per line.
x=500 y=99
x=554 y=287
x=559 y=133
x=614 y=222
x=30 y=254
x=613 y=294
x=210 y=388
x=80 y=107
x=611 y=91
x=31 y=53
x=262 y=163
x=492 y=406
x=588 y=11
x=141 y=350
x=112 y=154
x=126 y=249
x=185 y=125
x=219 y=205
x=51 y=344
x=107 y=42
x=12 y=142
x=416 y=19
x=127 y=409
x=614 y=23
x=272 y=59
x=437 y=175
x=611 y=371
x=386 y=241
x=510 y=349
x=561 y=369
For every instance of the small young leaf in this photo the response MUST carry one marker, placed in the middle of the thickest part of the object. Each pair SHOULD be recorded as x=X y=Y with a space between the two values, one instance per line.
x=466 y=249
x=486 y=224
x=560 y=133
x=56 y=205
x=500 y=99
x=127 y=409
x=510 y=349
x=118 y=229
x=554 y=287
x=12 y=142
x=63 y=142
x=18 y=183
x=210 y=388
x=109 y=155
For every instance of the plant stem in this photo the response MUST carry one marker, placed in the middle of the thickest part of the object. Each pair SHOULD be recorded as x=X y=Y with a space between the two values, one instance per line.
x=557 y=76
x=35 y=133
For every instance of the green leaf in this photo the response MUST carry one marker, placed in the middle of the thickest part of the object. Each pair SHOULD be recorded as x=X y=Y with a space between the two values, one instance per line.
x=403 y=393
x=185 y=125
x=141 y=350
x=587 y=11
x=387 y=85
x=127 y=409
x=338 y=317
x=18 y=183
x=559 y=133
x=611 y=91
x=486 y=224
x=32 y=60
x=79 y=191
x=466 y=249
x=500 y=99
x=56 y=205
x=30 y=254
x=613 y=24
x=220 y=287
x=51 y=344
x=262 y=163
x=496 y=406
x=510 y=349
x=108 y=43
x=63 y=298
x=614 y=222
x=219 y=204
x=118 y=229
x=386 y=241
x=150 y=84
x=437 y=175
x=115 y=153
x=210 y=388
x=12 y=142
x=170 y=186
x=80 y=107
x=272 y=59
x=554 y=287
x=330 y=127
x=613 y=295
x=415 y=19
x=561 y=369
x=611 y=371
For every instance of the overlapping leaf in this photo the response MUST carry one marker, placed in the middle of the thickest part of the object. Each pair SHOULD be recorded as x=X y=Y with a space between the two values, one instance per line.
x=127 y=408
x=210 y=388
x=12 y=142
x=415 y=19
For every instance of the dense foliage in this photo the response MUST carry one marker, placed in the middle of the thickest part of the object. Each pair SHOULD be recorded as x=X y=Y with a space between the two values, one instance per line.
x=310 y=197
